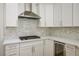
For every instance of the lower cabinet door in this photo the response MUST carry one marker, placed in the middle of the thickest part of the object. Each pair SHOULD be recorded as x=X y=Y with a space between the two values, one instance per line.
x=34 y=48
x=70 y=50
x=49 y=48
x=26 y=50
x=38 y=49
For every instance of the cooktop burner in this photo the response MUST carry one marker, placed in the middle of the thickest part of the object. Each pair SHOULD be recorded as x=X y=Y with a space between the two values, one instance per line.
x=28 y=37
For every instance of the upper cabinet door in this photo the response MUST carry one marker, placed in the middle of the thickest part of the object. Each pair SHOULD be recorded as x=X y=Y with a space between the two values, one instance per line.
x=11 y=14
x=42 y=15
x=76 y=14
x=46 y=14
x=67 y=14
x=49 y=14
x=57 y=14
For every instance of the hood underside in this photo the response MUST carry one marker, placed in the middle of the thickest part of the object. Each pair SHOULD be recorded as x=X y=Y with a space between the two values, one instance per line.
x=29 y=14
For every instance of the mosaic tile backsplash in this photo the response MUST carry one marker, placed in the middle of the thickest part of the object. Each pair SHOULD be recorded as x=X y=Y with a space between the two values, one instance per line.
x=26 y=27
x=30 y=27
x=71 y=32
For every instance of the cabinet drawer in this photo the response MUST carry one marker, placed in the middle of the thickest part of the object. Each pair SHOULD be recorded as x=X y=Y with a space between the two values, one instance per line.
x=12 y=54
x=12 y=46
x=25 y=44
x=29 y=43
x=12 y=50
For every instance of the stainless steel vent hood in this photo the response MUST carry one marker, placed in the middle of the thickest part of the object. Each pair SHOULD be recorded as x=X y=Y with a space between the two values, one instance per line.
x=29 y=14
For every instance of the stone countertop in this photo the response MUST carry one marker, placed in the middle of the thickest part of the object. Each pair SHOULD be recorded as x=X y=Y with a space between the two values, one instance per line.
x=72 y=41
x=67 y=40
x=13 y=41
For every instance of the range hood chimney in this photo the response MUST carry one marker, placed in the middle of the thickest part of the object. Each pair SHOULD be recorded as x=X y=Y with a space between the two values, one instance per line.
x=29 y=14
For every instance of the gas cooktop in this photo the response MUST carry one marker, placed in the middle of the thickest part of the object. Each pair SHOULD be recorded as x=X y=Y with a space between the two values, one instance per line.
x=29 y=37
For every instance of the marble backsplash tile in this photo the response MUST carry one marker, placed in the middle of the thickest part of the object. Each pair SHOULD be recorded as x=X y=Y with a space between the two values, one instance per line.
x=10 y=33
x=26 y=27
x=30 y=27
x=71 y=32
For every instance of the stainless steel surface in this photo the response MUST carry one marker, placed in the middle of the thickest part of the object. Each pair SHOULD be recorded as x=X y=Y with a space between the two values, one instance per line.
x=29 y=37
x=59 y=48
x=29 y=14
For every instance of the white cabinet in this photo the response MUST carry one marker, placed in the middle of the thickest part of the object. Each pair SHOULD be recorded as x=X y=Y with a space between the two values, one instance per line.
x=11 y=14
x=76 y=14
x=12 y=50
x=31 y=48
x=49 y=14
x=53 y=15
x=46 y=14
x=57 y=14
x=70 y=50
x=67 y=14
x=49 y=48
x=25 y=49
x=38 y=48
x=42 y=14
